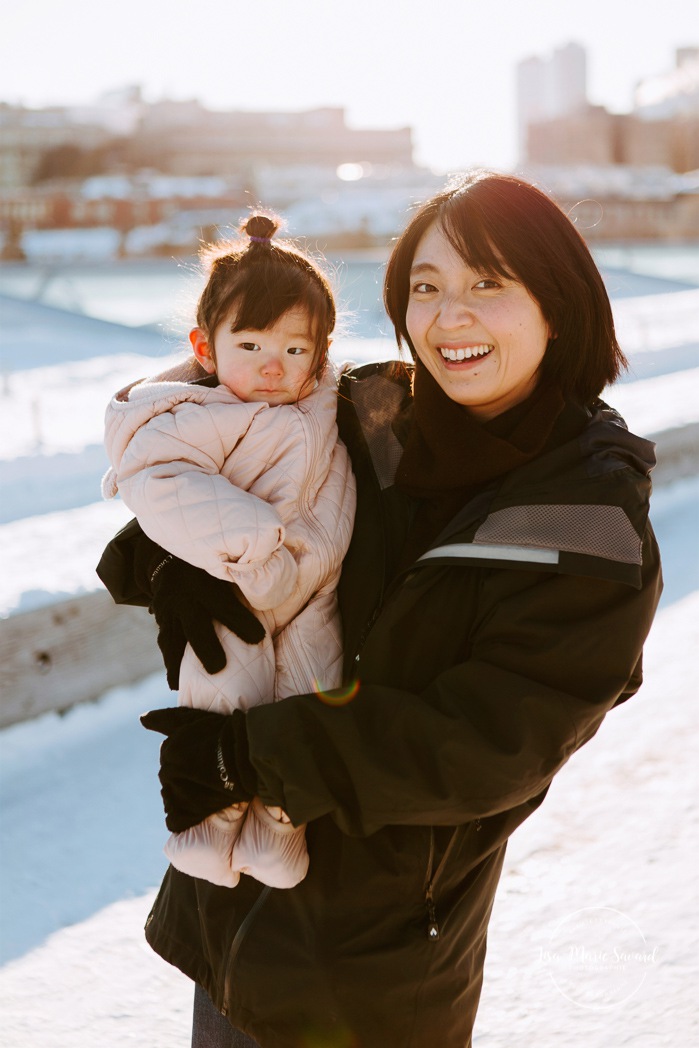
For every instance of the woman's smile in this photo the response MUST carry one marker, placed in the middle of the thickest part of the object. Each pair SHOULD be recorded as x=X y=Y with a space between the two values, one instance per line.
x=467 y=353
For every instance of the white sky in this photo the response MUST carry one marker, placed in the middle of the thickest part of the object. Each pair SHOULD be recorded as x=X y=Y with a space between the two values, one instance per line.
x=445 y=67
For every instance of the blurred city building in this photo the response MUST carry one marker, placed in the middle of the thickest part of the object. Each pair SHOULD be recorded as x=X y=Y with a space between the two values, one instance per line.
x=550 y=88
x=630 y=164
x=671 y=94
x=171 y=172
x=182 y=138
x=662 y=129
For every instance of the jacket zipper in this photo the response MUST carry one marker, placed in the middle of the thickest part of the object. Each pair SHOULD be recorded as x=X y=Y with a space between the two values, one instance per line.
x=433 y=929
x=322 y=541
x=432 y=926
x=368 y=626
x=385 y=594
x=296 y=670
x=238 y=942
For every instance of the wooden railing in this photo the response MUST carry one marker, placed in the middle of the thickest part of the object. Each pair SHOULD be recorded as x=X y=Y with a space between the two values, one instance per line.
x=73 y=651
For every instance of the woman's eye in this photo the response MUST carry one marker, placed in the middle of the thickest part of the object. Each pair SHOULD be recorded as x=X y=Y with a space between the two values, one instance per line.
x=488 y=283
x=423 y=288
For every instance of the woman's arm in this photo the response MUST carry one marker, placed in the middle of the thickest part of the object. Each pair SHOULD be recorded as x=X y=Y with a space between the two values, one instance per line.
x=487 y=734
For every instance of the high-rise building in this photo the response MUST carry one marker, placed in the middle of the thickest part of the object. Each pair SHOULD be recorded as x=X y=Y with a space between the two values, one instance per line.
x=549 y=88
x=568 y=80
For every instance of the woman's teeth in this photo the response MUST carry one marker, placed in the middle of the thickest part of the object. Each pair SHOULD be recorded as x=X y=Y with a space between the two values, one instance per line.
x=465 y=354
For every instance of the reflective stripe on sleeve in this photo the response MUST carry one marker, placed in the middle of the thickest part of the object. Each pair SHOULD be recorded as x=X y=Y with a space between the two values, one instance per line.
x=481 y=551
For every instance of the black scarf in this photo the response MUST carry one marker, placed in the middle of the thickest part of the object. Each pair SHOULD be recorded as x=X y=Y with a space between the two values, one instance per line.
x=448 y=454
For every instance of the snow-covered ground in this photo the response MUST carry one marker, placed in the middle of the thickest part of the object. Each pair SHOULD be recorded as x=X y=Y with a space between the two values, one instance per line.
x=604 y=866
x=616 y=839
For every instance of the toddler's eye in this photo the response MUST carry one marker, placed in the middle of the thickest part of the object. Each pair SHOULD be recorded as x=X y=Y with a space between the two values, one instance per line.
x=296 y=351
x=250 y=346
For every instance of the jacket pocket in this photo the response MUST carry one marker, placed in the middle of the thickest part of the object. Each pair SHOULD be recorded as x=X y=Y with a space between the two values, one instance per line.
x=238 y=940
x=434 y=871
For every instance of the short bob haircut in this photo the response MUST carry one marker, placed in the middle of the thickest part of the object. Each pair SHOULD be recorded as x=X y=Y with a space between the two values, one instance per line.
x=502 y=226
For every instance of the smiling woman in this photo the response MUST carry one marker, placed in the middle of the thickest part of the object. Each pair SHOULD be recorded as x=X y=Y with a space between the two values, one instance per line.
x=494 y=263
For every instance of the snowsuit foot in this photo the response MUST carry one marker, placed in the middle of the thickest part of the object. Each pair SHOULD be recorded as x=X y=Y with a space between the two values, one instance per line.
x=205 y=850
x=272 y=852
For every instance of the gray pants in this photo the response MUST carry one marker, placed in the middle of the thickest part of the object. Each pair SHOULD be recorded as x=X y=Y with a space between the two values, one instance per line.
x=211 y=1030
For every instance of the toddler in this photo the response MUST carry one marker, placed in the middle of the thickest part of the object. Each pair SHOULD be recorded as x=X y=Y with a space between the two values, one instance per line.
x=242 y=474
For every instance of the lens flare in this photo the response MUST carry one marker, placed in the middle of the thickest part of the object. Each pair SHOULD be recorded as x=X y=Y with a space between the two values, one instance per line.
x=337 y=696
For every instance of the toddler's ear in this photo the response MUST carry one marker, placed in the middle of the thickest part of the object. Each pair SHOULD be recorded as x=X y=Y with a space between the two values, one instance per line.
x=202 y=349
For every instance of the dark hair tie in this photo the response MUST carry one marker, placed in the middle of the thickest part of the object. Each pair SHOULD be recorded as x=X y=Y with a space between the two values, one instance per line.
x=261 y=240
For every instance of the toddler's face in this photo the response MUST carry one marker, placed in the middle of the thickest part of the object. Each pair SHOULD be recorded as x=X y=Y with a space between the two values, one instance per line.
x=272 y=366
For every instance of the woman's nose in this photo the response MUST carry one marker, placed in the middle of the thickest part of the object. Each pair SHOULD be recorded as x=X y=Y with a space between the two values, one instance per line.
x=455 y=312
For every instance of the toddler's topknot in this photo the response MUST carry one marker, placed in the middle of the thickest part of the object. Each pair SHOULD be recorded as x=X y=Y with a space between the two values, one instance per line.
x=261 y=228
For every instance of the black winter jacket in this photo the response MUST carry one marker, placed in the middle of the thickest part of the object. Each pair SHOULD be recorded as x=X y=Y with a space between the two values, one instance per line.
x=481 y=669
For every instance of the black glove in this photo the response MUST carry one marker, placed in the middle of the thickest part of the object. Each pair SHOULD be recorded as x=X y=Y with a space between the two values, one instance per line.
x=204 y=763
x=185 y=602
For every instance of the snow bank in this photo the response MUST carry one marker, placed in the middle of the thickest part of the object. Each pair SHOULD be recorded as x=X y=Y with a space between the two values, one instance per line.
x=82 y=822
x=54 y=555
x=60 y=408
x=61 y=245
x=651 y=322
x=654 y=405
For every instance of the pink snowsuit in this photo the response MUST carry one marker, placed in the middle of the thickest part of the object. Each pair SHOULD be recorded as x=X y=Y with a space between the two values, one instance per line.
x=263 y=497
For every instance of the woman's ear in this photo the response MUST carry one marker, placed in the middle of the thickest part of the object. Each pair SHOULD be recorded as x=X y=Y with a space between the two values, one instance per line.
x=202 y=349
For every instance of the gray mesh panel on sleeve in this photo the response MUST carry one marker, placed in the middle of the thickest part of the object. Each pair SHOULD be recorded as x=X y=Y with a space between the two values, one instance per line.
x=599 y=531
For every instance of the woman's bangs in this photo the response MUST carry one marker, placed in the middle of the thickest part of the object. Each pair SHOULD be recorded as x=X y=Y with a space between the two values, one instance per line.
x=478 y=249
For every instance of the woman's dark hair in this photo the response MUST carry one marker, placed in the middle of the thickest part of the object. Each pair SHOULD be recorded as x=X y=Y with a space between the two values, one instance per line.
x=500 y=225
x=262 y=279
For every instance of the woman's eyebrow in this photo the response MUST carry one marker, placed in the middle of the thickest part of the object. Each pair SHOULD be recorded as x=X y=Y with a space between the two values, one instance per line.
x=423 y=267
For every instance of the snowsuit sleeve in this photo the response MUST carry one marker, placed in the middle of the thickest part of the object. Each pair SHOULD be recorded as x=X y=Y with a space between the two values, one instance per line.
x=168 y=472
x=549 y=655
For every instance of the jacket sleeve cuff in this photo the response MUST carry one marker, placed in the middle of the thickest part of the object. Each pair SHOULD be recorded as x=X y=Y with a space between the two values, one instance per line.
x=236 y=754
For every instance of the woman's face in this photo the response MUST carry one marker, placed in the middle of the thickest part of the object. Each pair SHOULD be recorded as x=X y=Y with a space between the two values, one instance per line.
x=481 y=337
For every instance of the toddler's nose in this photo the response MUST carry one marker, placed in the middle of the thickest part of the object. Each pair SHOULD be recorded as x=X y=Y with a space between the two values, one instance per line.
x=272 y=366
